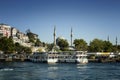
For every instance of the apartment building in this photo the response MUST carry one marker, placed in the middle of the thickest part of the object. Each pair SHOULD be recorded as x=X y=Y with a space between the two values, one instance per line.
x=17 y=36
x=5 y=30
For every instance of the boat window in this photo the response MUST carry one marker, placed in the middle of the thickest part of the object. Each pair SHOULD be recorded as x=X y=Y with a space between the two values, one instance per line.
x=56 y=57
x=52 y=57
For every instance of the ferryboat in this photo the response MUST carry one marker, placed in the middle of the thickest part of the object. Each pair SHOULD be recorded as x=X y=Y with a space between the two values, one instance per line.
x=52 y=57
x=73 y=57
x=38 y=57
x=44 y=57
x=60 y=57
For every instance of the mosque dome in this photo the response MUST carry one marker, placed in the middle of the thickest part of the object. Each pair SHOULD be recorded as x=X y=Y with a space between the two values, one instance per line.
x=59 y=38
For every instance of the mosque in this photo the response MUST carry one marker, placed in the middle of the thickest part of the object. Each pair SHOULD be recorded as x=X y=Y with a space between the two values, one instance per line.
x=55 y=47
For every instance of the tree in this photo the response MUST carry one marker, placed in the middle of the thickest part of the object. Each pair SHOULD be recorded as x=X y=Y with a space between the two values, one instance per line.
x=31 y=37
x=38 y=43
x=80 y=44
x=49 y=46
x=27 y=50
x=118 y=48
x=108 y=47
x=96 y=45
x=21 y=49
x=7 y=45
x=18 y=48
x=63 y=44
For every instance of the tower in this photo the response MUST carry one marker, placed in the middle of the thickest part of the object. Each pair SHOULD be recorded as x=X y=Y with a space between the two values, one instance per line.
x=116 y=41
x=108 y=38
x=54 y=34
x=71 y=35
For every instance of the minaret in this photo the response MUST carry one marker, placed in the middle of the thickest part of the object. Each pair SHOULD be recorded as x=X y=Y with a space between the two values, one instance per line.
x=54 y=34
x=116 y=41
x=71 y=35
x=108 y=38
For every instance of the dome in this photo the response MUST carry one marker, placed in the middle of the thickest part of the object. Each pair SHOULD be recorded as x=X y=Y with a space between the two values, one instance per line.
x=61 y=37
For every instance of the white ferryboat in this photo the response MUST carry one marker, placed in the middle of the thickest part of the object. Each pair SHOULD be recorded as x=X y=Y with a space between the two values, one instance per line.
x=52 y=57
x=60 y=57
x=39 y=57
x=73 y=57
x=47 y=57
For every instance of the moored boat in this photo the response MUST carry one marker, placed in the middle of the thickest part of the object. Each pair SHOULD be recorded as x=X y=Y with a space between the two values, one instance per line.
x=60 y=57
x=38 y=57
x=73 y=57
x=52 y=57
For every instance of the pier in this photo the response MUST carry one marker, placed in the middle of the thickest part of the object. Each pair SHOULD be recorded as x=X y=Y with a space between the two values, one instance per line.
x=13 y=57
x=103 y=58
x=61 y=58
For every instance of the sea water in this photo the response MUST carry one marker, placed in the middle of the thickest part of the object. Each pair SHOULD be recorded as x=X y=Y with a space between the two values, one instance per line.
x=59 y=71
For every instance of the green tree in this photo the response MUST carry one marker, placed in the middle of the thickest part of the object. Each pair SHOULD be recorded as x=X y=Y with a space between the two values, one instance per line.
x=7 y=45
x=80 y=44
x=96 y=45
x=18 y=48
x=108 y=47
x=63 y=44
x=27 y=50
x=21 y=49
x=38 y=43
x=49 y=46
x=31 y=37
x=118 y=48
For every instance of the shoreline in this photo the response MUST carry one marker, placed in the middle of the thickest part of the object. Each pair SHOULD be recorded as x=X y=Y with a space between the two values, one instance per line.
x=89 y=60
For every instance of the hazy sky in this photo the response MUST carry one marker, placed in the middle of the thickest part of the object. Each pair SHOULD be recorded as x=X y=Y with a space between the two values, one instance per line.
x=89 y=18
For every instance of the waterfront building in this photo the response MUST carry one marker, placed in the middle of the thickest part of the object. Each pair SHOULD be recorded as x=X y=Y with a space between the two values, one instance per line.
x=19 y=37
x=5 y=30
x=14 y=36
x=14 y=32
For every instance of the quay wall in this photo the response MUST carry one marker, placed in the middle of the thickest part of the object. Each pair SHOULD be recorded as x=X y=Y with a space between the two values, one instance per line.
x=21 y=58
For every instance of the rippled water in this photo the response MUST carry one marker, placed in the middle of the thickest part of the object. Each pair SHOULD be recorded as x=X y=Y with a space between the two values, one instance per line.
x=43 y=71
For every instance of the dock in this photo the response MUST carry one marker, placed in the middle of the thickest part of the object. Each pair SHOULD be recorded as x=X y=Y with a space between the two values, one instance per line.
x=13 y=57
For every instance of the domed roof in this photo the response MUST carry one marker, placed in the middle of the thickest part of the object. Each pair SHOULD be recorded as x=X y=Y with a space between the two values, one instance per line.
x=61 y=37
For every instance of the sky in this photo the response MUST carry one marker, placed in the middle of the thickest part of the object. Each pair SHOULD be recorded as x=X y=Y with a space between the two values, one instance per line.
x=89 y=19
